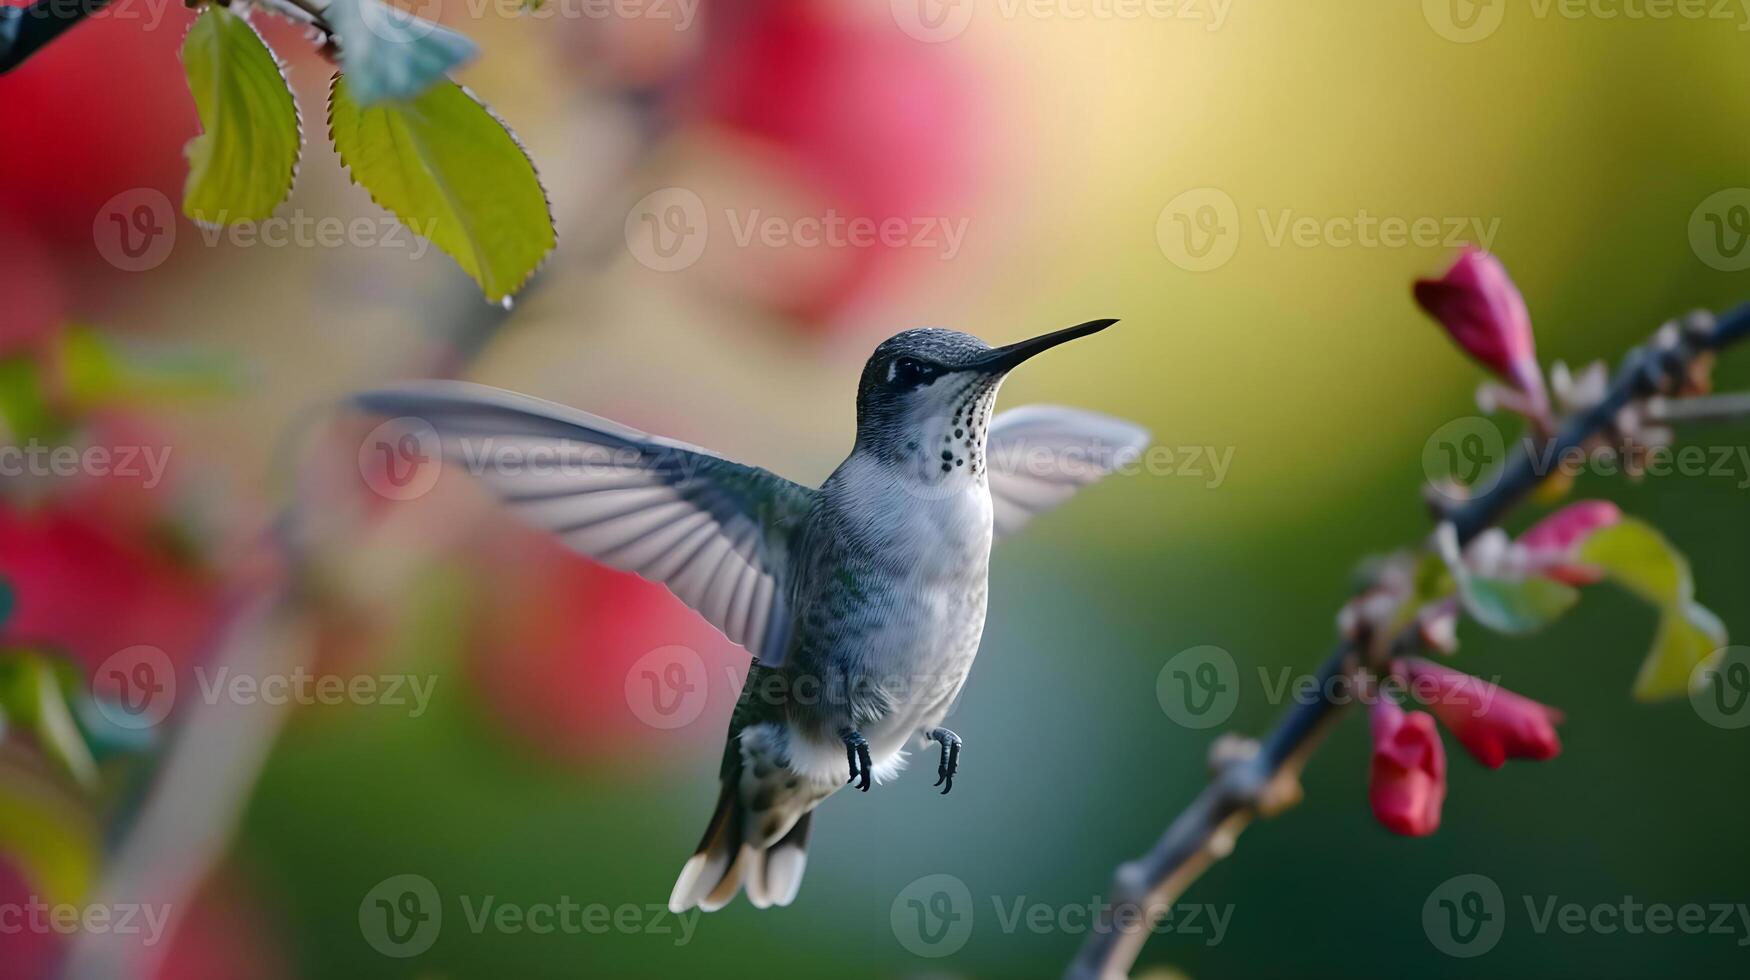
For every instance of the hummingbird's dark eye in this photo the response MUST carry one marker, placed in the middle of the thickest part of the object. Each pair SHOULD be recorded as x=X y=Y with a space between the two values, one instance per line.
x=906 y=372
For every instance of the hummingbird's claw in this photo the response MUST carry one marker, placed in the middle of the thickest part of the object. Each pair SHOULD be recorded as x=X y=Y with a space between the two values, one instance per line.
x=950 y=763
x=857 y=754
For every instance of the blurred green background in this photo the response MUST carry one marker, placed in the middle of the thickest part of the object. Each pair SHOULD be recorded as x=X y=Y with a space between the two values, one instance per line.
x=1584 y=143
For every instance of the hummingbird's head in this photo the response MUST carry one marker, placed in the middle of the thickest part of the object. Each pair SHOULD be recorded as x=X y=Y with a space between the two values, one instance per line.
x=926 y=395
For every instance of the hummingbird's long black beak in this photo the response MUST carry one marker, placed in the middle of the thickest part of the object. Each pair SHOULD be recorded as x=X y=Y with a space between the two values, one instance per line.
x=1006 y=358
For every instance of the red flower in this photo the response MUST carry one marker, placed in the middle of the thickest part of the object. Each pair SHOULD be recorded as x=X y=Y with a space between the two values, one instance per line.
x=1551 y=544
x=849 y=118
x=1491 y=722
x=563 y=646
x=37 y=301
x=90 y=584
x=88 y=142
x=1408 y=780
x=1482 y=310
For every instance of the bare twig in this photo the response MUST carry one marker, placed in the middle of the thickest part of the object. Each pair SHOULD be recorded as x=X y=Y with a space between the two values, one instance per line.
x=1260 y=783
x=1733 y=407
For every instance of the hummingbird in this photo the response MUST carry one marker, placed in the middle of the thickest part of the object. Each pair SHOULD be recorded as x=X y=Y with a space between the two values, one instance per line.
x=862 y=602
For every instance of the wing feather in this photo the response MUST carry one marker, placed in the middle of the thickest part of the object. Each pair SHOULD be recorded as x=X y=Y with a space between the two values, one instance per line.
x=717 y=533
x=1040 y=455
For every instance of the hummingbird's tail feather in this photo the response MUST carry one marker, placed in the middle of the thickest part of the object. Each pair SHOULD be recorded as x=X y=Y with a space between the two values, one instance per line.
x=714 y=858
x=785 y=862
x=729 y=860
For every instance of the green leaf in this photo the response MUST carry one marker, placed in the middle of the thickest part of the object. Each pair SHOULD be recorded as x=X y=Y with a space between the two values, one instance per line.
x=455 y=174
x=25 y=413
x=97 y=372
x=241 y=165
x=1637 y=557
x=389 y=53
x=33 y=698
x=46 y=831
x=1515 y=606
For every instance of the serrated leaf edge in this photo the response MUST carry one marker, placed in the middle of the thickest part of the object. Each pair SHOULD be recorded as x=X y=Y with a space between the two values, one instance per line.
x=243 y=12
x=546 y=199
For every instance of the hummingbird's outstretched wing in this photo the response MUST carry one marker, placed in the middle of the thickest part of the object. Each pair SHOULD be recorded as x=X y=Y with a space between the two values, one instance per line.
x=717 y=533
x=1040 y=455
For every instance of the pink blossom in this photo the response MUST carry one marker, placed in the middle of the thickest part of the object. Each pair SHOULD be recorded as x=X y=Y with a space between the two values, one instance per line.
x=1491 y=722
x=1551 y=545
x=1482 y=310
x=1408 y=779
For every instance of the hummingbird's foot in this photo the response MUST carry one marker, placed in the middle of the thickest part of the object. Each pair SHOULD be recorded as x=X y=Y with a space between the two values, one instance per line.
x=950 y=763
x=857 y=754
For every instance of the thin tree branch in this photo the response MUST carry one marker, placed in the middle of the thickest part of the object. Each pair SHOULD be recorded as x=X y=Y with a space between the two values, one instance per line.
x=26 y=30
x=1733 y=407
x=1252 y=781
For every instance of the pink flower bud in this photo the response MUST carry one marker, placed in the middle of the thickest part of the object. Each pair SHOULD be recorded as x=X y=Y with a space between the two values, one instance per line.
x=1482 y=310
x=1408 y=780
x=1491 y=722
x=1552 y=543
